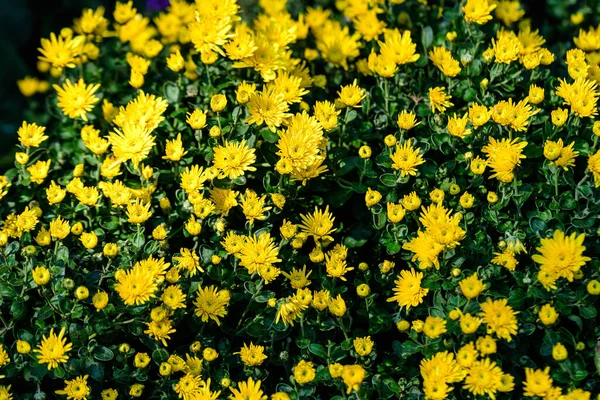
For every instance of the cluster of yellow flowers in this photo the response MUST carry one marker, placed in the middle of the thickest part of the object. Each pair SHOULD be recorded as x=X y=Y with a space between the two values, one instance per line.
x=302 y=198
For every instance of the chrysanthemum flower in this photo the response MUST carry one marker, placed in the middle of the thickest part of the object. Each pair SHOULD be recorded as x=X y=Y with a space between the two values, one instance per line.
x=233 y=159
x=53 y=349
x=408 y=291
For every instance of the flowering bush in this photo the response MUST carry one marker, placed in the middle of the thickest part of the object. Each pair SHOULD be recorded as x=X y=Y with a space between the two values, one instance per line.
x=372 y=199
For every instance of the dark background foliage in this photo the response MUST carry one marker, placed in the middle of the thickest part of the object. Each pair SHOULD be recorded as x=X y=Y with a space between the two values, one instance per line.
x=24 y=22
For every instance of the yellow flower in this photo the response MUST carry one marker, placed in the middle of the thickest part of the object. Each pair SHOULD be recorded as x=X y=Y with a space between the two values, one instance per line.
x=76 y=100
x=318 y=224
x=267 y=107
x=469 y=324
x=406 y=120
x=175 y=61
x=247 y=390
x=351 y=95
x=233 y=159
x=457 y=126
x=559 y=352
x=434 y=327
x=472 y=286
x=196 y=119
x=76 y=389
x=59 y=228
x=252 y=355
x=100 y=300
x=483 y=378
x=41 y=275
x=304 y=372
x=466 y=200
x=537 y=382
x=138 y=212
x=562 y=255
x=31 y=135
x=408 y=290
x=500 y=318
x=218 y=102
x=52 y=350
x=174 y=149
x=39 y=171
x=443 y=60
x=61 y=52
x=141 y=360
x=478 y=11
x=353 y=376
x=211 y=303
x=136 y=390
x=406 y=158
x=133 y=142
x=439 y=100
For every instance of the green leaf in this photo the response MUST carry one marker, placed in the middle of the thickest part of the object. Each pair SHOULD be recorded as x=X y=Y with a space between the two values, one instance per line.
x=388 y=180
x=427 y=37
x=588 y=312
x=358 y=236
x=171 y=92
x=102 y=353
x=17 y=308
x=303 y=343
x=318 y=350
x=269 y=136
x=159 y=356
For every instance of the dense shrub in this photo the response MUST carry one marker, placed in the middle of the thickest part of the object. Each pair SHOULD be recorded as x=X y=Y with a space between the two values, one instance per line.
x=366 y=199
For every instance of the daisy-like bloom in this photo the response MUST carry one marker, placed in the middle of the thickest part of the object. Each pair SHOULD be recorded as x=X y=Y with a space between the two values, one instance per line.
x=363 y=346
x=267 y=107
x=336 y=266
x=582 y=95
x=31 y=135
x=173 y=297
x=594 y=167
x=193 y=178
x=351 y=95
x=500 y=318
x=318 y=224
x=188 y=386
x=566 y=157
x=399 y=46
x=562 y=255
x=61 y=52
x=211 y=303
x=160 y=330
x=258 y=253
x=407 y=120
x=53 y=349
x=457 y=126
x=478 y=11
x=252 y=355
x=479 y=115
x=138 y=212
x=76 y=389
x=426 y=250
x=506 y=47
x=135 y=286
x=327 y=115
x=233 y=159
x=506 y=259
x=174 y=149
x=483 y=378
x=298 y=278
x=133 y=142
x=503 y=157
x=253 y=206
x=300 y=144
x=434 y=327
x=537 y=382
x=39 y=171
x=249 y=390
x=224 y=199
x=408 y=290
x=439 y=100
x=443 y=60
x=406 y=158
x=469 y=324
x=189 y=261
x=76 y=100
x=59 y=228
x=472 y=286
x=288 y=85
x=442 y=367
x=26 y=221
x=289 y=310
x=196 y=119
